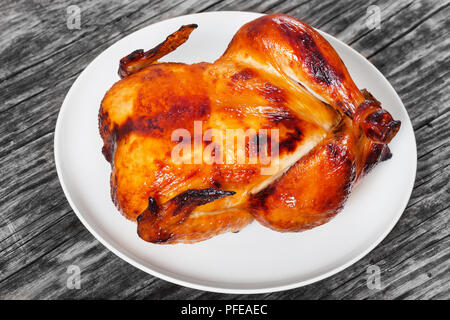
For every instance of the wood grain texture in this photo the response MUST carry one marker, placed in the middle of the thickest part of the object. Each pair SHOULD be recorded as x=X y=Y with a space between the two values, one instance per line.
x=40 y=57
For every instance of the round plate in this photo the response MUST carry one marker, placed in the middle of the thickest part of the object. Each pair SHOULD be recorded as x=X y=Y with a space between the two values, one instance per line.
x=256 y=259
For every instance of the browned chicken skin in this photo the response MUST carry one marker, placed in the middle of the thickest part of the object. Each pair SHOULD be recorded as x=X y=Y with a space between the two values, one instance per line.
x=278 y=76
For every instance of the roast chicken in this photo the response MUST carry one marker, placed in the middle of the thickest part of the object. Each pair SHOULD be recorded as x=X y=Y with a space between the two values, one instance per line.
x=284 y=90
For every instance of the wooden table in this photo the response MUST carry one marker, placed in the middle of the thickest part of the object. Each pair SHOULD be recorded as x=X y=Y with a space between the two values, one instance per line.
x=40 y=236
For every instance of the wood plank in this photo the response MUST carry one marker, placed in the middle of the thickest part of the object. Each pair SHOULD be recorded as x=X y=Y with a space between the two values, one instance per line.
x=39 y=234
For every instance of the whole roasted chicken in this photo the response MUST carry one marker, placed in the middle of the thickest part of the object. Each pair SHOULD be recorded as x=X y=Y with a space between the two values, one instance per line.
x=274 y=130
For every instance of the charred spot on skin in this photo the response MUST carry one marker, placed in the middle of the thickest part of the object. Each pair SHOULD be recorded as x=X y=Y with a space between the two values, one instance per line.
x=254 y=28
x=285 y=118
x=152 y=205
x=345 y=108
x=376 y=117
x=309 y=52
x=139 y=125
x=107 y=153
x=367 y=95
x=109 y=147
x=272 y=93
x=140 y=217
x=378 y=152
x=373 y=156
x=259 y=200
x=198 y=197
x=320 y=69
x=162 y=240
x=103 y=120
x=182 y=111
x=333 y=150
x=290 y=143
x=244 y=75
x=216 y=183
x=338 y=154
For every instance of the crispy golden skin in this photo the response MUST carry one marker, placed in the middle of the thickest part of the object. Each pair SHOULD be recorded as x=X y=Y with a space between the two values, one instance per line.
x=277 y=73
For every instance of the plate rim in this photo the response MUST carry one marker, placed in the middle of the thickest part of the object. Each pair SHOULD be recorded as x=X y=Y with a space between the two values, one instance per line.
x=212 y=288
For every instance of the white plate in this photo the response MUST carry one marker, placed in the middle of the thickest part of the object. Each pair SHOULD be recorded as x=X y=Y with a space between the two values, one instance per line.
x=256 y=259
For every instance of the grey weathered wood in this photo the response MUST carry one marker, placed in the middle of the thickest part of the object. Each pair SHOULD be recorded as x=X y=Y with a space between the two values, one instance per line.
x=39 y=60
